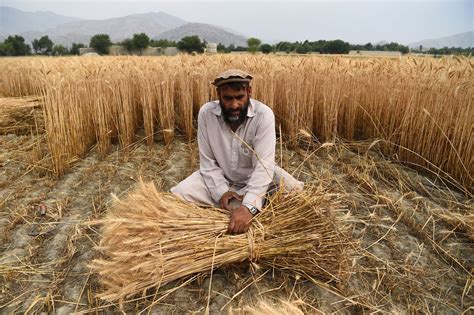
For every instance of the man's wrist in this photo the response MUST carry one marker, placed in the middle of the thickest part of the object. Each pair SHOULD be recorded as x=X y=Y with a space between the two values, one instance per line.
x=251 y=208
x=253 y=199
x=219 y=193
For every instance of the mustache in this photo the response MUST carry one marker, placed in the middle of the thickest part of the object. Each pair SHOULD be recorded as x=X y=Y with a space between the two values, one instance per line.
x=229 y=111
x=235 y=115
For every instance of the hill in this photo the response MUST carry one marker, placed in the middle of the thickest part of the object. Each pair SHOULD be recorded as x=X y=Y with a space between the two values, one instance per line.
x=65 y=30
x=80 y=31
x=14 y=21
x=210 y=33
x=121 y=27
x=463 y=40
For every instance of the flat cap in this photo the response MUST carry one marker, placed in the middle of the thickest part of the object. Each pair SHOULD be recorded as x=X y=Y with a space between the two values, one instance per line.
x=232 y=75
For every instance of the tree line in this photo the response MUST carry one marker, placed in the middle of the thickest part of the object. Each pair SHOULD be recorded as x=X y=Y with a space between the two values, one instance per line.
x=15 y=46
x=446 y=51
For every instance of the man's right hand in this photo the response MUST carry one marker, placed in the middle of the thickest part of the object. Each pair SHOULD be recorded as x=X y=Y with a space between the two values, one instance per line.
x=227 y=197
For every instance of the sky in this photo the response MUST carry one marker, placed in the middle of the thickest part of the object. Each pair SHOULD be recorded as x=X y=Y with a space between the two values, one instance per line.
x=355 y=21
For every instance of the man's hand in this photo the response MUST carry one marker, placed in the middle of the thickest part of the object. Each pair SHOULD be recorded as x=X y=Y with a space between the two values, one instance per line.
x=227 y=197
x=240 y=219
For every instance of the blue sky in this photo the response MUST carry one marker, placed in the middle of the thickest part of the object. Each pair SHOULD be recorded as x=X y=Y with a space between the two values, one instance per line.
x=354 y=21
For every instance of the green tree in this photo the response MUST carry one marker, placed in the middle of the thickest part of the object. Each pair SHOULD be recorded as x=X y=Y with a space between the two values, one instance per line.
x=368 y=46
x=59 y=50
x=36 y=46
x=404 y=49
x=140 y=41
x=266 y=48
x=101 y=43
x=163 y=43
x=393 y=46
x=302 y=49
x=75 y=48
x=221 y=48
x=190 y=44
x=45 y=45
x=4 y=49
x=337 y=47
x=127 y=44
x=284 y=46
x=319 y=46
x=241 y=48
x=253 y=44
x=15 y=46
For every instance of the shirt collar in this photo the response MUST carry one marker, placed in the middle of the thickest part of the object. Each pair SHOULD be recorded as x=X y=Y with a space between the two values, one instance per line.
x=250 y=113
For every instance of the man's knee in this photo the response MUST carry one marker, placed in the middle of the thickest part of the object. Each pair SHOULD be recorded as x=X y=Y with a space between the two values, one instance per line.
x=178 y=190
x=184 y=187
x=289 y=183
x=193 y=189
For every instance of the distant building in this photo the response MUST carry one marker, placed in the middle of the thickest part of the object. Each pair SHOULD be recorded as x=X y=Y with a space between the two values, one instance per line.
x=86 y=50
x=211 y=48
x=170 y=51
x=119 y=50
x=149 y=51
x=375 y=53
x=91 y=54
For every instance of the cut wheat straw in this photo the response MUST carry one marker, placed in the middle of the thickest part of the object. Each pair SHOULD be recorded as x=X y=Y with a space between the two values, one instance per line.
x=152 y=238
x=20 y=116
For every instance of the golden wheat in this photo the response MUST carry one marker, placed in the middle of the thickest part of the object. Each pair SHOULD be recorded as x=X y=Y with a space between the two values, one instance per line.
x=420 y=108
x=303 y=232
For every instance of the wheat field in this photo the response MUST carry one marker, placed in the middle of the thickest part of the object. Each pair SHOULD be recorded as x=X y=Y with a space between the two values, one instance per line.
x=421 y=109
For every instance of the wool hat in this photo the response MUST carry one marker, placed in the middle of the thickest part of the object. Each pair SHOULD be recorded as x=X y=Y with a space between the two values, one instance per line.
x=232 y=75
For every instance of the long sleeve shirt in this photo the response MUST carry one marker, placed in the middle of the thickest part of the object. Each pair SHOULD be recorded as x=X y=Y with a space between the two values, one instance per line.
x=244 y=159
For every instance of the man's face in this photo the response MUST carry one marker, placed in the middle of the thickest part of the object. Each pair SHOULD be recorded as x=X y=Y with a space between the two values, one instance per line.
x=234 y=103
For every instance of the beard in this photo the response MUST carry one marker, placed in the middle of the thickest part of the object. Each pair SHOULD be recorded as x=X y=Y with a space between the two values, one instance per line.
x=231 y=118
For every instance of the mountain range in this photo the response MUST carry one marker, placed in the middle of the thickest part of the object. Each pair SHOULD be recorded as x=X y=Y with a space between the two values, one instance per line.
x=66 y=30
x=463 y=40
x=157 y=25
x=13 y=21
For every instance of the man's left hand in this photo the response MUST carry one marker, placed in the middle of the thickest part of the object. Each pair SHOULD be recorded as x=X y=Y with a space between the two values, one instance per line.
x=239 y=220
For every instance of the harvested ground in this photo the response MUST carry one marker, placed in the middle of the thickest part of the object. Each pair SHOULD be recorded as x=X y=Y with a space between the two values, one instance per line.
x=416 y=235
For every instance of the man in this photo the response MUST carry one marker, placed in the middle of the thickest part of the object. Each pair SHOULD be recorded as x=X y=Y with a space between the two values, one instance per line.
x=236 y=139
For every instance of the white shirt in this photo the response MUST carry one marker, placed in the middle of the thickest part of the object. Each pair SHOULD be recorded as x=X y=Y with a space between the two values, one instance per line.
x=245 y=159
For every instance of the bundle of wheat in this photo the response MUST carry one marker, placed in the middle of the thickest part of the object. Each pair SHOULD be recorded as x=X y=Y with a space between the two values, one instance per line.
x=152 y=238
x=20 y=116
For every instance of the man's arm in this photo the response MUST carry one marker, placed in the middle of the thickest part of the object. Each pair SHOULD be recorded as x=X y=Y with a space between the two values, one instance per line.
x=209 y=168
x=264 y=161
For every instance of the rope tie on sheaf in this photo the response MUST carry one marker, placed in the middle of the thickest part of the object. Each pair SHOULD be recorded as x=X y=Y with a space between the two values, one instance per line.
x=255 y=238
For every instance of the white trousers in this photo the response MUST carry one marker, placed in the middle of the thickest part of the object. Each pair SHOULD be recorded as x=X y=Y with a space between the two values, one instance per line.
x=194 y=189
